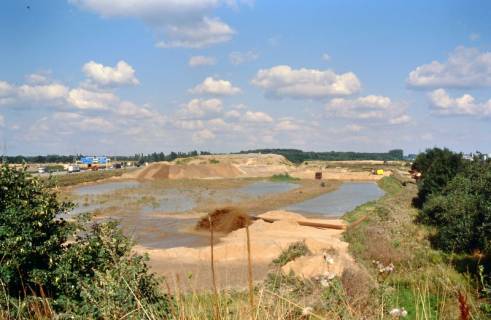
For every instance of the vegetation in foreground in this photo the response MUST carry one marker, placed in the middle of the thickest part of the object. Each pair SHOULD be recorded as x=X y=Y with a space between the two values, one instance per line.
x=52 y=268
x=67 y=271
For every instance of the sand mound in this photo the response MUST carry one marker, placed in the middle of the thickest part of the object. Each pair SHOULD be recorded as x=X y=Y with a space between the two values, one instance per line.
x=224 y=220
x=268 y=240
x=165 y=170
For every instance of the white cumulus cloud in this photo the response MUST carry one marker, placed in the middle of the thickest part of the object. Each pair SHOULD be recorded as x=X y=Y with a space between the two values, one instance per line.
x=215 y=87
x=371 y=107
x=197 y=61
x=237 y=57
x=465 y=68
x=258 y=116
x=121 y=74
x=203 y=135
x=283 y=81
x=443 y=104
x=198 y=108
x=183 y=23
x=87 y=99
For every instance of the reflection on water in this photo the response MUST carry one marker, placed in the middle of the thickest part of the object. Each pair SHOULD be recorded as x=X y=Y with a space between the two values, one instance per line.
x=346 y=198
x=260 y=188
x=172 y=200
x=135 y=209
x=97 y=189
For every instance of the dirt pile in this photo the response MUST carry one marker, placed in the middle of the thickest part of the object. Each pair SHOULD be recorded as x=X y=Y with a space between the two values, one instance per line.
x=268 y=240
x=224 y=220
x=165 y=170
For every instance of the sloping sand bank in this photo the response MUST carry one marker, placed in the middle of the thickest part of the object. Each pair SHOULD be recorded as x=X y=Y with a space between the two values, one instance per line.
x=188 y=171
x=189 y=268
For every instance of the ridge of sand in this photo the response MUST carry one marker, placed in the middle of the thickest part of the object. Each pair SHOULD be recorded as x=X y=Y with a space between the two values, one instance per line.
x=268 y=240
x=245 y=166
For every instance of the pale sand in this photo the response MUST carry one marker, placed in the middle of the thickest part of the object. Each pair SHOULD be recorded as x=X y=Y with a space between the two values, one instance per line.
x=268 y=240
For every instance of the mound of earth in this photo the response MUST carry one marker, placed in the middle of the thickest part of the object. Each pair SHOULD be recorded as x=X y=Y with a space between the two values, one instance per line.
x=268 y=240
x=165 y=170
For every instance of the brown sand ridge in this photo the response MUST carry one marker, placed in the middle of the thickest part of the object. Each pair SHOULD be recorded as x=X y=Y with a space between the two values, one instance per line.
x=166 y=170
x=268 y=240
x=249 y=165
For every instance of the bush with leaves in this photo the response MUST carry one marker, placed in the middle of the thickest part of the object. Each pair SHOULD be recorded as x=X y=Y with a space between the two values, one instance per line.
x=84 y=271
x=462 y=211
x=31 y=238
x=437 y=167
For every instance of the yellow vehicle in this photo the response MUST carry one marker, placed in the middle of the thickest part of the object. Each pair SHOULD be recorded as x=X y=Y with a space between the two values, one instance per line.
x=379 y=172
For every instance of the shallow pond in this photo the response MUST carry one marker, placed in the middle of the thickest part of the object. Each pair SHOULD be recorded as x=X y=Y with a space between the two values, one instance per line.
x=261 y=188
x=344 y=199
x=97 y=189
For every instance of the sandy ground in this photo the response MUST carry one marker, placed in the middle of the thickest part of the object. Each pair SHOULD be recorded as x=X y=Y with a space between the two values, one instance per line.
x=189 y=268
x=252 y=166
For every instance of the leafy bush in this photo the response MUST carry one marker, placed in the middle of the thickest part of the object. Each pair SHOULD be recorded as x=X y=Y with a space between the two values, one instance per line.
x=83 y=271
x=462 y=211
x=437 y=167
x=31 y=238
x=285 y=177
x=294 y=250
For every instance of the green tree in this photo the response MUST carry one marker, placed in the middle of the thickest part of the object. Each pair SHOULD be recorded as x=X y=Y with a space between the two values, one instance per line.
x=31 y=236
x=437 y=167
x=462 y=211
x=83 y=269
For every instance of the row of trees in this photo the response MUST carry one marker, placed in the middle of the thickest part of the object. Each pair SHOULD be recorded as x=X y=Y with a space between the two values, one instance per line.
x=294 y=155
x=299 y=156
x=454 y=196
x=140 y=157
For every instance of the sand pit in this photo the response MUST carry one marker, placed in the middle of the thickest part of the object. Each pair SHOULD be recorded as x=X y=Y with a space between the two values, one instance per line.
x=249 y=166
x=268 y=240
x=166 y=170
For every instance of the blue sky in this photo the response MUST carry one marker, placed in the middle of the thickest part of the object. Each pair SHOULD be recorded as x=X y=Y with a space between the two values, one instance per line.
x=127 y=76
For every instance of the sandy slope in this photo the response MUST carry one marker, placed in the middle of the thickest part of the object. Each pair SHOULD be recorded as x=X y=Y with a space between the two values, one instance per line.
x=267 y=242
x=243 y=166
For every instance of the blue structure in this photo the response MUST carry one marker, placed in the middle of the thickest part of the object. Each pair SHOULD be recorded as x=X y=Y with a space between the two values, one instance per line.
x=94 y=160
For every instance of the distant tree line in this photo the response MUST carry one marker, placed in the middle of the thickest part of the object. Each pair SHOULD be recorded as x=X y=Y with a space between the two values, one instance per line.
x=139 y=157
x=298 y=156
x=293 y=155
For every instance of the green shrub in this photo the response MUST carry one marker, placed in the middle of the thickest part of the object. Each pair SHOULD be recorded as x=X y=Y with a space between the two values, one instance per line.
x=293 y=251
x=31 y=238
x=462 y=211
x=285 y=177
x=437 y=167
x=94 y=275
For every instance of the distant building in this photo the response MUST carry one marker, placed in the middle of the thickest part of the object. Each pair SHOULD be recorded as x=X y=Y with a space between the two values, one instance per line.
x=94 y=161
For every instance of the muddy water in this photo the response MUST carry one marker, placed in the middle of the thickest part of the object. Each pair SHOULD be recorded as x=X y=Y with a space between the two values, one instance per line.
x=97 y=189
x=141 y=208
x=261 y=188
x=334 y=204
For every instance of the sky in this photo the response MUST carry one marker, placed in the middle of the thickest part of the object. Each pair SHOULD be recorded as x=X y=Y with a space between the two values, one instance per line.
x=119 y=77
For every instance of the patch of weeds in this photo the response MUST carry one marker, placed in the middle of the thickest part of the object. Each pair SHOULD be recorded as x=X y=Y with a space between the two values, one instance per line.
x=214 y=161
x=334 y=298
x=390 y=185
x=294 y=251
x=285 y=177
x=284 y=284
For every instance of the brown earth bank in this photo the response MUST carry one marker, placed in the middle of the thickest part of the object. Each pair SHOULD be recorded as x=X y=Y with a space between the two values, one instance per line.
x=189 y=268
x=255 y=165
